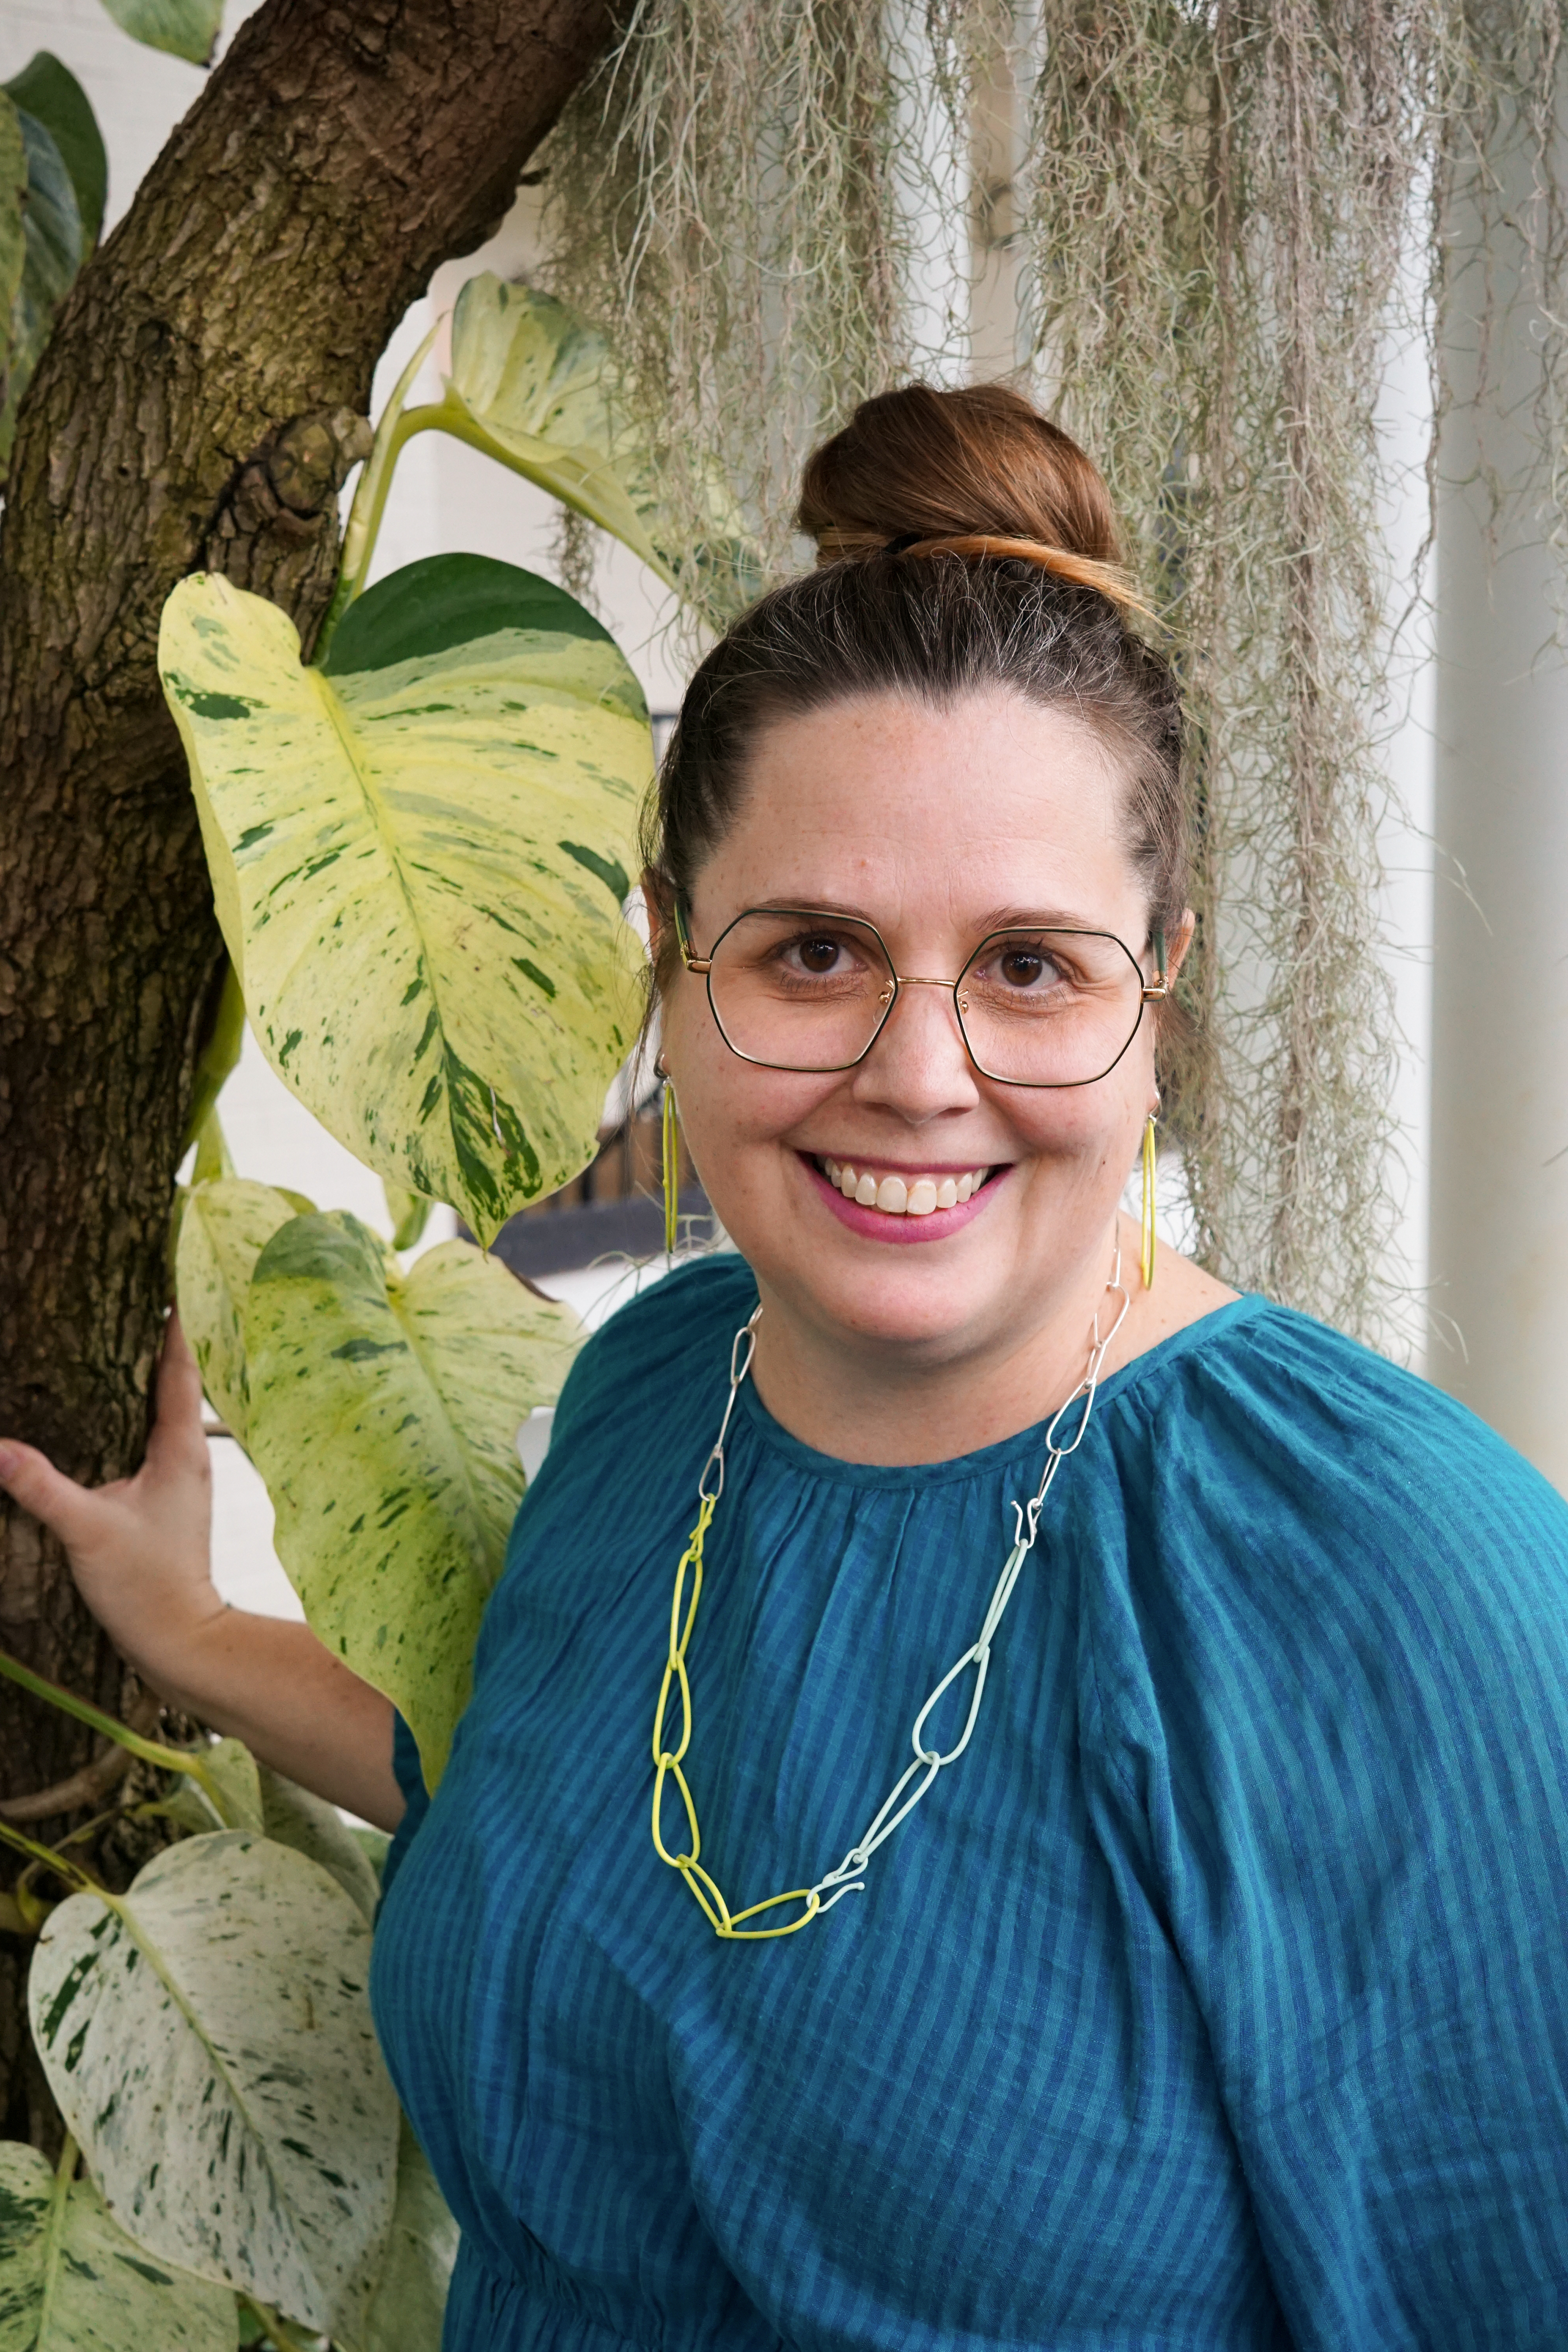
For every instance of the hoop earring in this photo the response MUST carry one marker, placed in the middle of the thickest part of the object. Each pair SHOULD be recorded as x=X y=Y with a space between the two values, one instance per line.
x=1147 y=1253
x=670 y=1152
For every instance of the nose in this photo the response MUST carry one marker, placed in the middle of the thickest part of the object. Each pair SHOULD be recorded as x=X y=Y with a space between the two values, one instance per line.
x=919 y=1068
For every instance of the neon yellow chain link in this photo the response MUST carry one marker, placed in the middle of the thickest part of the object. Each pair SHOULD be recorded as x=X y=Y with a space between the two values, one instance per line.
x=667 y=1764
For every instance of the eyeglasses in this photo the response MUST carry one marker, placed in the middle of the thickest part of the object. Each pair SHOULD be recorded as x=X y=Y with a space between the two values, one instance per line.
x=796 y=988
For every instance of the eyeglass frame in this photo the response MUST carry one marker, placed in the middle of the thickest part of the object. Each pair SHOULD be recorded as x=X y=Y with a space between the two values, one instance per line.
x=1155 y=992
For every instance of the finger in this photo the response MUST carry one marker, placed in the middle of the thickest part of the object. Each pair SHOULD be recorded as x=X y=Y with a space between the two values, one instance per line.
x=69 y=1511
x=176 y=1434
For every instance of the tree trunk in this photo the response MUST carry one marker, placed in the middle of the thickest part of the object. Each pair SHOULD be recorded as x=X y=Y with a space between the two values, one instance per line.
x=198 y=407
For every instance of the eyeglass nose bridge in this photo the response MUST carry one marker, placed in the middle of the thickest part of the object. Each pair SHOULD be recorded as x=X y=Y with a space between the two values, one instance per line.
x=887 y=997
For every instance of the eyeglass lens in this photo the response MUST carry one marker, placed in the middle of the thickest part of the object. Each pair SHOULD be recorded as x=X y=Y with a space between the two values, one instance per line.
x=1038 y=1007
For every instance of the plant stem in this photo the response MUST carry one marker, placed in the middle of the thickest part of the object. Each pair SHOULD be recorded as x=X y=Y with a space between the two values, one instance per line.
x=35 y=1852
x=371 y=496
x=282 y=2333
x=151 y=1751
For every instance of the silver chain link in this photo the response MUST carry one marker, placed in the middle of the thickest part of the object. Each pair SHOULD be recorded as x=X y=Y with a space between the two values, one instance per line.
x=849 y=1877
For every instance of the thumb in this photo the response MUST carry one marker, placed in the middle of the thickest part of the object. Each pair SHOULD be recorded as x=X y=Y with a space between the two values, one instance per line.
x=66 y=1509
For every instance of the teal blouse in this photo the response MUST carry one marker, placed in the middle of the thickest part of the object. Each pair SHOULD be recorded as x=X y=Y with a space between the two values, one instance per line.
x=1217 y=1998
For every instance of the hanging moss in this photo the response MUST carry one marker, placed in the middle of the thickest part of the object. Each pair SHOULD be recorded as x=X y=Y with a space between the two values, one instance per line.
x=1224 y=211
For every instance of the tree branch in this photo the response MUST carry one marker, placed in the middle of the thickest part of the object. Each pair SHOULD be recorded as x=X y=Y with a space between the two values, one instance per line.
x=198 y=404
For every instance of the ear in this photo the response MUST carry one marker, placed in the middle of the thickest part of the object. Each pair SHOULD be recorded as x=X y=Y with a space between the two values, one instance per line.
x=1178 y=943
x=661 y=914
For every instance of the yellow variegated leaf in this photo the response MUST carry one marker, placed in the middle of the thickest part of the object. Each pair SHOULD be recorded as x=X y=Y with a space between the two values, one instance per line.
x=383 y=1413
x=534 y=385
x=223 y=1227
x=408 y=1214
x=419 y=855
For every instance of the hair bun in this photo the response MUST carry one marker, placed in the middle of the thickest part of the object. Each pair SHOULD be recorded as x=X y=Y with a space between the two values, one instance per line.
x=976 y=463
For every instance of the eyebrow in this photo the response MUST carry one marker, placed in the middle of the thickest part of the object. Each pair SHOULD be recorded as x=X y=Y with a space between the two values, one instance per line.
x=998 y=919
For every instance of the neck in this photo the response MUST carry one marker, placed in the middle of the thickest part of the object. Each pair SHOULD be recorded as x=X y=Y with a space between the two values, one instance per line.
x=864 y=1399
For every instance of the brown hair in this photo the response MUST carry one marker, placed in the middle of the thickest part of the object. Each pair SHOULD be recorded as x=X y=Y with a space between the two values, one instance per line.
x=964 y=541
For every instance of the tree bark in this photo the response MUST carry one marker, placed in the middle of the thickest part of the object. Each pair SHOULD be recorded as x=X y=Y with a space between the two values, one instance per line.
x=198 y=407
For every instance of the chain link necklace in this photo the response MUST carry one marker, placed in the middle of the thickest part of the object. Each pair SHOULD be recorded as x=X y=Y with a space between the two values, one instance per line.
x=848 y=1876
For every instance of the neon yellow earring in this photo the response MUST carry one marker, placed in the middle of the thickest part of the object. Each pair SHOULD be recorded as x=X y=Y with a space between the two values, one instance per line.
x=671 y=1156
x=1147 y=1254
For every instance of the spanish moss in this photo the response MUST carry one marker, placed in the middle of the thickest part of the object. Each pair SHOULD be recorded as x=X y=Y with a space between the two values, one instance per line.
x=1226 y=213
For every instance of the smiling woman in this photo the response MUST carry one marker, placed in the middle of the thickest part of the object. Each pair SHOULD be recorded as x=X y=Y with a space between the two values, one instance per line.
x=1196 y=1975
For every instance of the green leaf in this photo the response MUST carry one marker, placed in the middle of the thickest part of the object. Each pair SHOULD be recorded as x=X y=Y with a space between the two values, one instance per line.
x=536 y=387
x=307 y=1822
x=208 y=2038
x=52 y=234
x=12 y=216
x=219 y=1055
x=406 y=2309
x=409 y=1213
x=223 y=1227
x=186 y=28
x=213 y=1164
x=52 y=95
x=71 y=2280
x=419 y=862
x=231 y=1770
x=383 y=1410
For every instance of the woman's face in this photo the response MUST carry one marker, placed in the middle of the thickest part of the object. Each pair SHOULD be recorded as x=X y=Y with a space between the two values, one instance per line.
x=938 y=825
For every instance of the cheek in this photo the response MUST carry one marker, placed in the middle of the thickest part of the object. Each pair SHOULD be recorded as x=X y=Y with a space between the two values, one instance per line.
x=727 y=1106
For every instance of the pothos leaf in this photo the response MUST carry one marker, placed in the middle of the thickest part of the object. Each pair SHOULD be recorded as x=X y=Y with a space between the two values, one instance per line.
x=295 y=1817
x=213 y=2026
x=185 y=29
x=52 y=95
x=52 y=235
x=410 y=2298
x=223 y=1227
x=13 y=216
x=420 y=854
x=71 y=2280
x=394 y=1542
x=537 y=388
x=409 y=1213
x=219 y=1055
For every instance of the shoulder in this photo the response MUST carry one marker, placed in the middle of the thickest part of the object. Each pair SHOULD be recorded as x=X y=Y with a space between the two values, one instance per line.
x=674 y=1337
x=1324 y=1505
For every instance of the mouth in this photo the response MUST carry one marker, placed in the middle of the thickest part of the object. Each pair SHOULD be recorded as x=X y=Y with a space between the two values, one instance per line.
x=901 y=1204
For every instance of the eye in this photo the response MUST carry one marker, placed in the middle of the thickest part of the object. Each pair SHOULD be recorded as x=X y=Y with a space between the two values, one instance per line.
x=1022 y=967
x=818 y=955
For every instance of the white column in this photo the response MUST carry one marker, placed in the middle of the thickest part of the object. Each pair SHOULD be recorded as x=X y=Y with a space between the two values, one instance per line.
x=1498 y=1265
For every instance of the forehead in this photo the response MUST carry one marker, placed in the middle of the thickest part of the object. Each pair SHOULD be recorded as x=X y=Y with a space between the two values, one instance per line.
x=891 y=803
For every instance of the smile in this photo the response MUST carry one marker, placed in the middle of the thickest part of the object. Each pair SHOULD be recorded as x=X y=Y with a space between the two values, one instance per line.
x=902 y=1195
x=901 y=1204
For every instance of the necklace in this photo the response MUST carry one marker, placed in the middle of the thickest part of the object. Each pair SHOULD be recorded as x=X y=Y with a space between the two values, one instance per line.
x=848 y=1876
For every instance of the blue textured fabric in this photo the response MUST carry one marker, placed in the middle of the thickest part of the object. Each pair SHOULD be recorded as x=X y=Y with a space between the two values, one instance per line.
x=1217 y=1997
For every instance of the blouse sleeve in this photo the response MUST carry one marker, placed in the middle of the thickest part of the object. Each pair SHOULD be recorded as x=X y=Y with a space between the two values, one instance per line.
x=411 y=1781
x=1344 y=1791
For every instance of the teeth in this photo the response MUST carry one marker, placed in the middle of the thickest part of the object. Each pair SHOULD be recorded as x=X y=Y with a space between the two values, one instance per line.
x=897 y=1196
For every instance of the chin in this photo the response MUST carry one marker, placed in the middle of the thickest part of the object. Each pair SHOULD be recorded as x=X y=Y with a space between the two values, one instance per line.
x=935 y=1311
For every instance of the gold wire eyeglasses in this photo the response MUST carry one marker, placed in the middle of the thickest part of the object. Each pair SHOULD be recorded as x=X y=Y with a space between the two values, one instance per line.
x=802 y=988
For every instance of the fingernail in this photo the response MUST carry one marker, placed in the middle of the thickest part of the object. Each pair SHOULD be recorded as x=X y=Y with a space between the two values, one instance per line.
x=9 y=1457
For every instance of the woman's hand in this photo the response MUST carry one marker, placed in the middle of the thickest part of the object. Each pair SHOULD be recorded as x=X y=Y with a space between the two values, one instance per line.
x=140 y=1550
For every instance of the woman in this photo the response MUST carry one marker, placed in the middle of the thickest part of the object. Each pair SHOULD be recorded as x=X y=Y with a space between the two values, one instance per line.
x=1214 y=1993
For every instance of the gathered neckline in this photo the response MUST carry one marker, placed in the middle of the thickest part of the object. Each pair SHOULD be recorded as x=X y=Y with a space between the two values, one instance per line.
x=1217 y=1325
